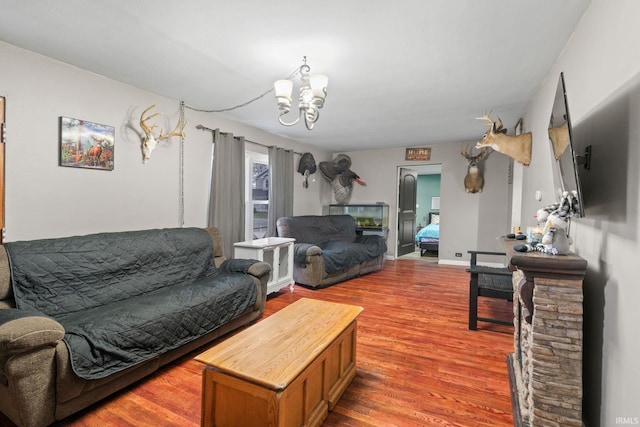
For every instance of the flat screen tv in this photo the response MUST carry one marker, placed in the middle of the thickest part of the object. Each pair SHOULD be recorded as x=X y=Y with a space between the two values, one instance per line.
x=567 y=161
x=610 y=132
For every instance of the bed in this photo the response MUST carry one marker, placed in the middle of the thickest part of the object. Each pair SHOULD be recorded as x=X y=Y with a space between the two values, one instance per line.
x=428 y=237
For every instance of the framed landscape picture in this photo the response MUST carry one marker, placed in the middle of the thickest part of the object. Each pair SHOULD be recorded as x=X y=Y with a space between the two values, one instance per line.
x=85 y=144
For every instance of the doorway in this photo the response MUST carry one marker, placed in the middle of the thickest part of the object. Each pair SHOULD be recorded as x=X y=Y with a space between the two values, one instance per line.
x=407 y=194
x=425 y=209
x=2 y=161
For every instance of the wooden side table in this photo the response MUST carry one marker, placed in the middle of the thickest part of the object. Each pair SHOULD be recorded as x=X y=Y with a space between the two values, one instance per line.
x=277 y=252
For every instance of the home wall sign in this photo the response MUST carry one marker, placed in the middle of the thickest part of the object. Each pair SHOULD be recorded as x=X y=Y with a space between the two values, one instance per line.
x=418 y=153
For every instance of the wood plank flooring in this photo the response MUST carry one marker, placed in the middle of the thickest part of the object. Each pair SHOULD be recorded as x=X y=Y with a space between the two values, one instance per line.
x=417 y=363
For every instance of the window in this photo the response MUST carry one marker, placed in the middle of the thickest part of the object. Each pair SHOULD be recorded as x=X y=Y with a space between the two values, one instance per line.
x=256 y=195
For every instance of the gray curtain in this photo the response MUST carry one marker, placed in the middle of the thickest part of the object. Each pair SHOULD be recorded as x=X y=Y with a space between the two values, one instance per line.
x=280 y=186
x=226 y=203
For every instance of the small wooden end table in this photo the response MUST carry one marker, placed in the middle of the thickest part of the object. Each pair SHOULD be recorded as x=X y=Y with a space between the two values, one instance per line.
x=290 y=369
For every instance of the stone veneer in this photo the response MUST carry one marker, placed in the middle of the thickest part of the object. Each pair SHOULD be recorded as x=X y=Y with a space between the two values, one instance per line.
x=547 y=362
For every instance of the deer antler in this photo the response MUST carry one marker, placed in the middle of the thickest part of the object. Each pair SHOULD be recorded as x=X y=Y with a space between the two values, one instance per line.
x=148 y=130
x=465 y=152
x=487 y=118
x=174 y=132
x=496 y=127
x=499 y=127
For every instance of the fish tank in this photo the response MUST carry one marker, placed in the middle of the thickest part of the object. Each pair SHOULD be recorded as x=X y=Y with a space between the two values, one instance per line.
x=374 y=217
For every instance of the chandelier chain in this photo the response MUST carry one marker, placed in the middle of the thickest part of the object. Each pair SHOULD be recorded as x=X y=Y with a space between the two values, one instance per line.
x=244 y=104
x=181 y=175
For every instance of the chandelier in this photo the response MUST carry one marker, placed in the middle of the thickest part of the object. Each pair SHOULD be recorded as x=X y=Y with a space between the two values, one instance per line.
x=313 y=91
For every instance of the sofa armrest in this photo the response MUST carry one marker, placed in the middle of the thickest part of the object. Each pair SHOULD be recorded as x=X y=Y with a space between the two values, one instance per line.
x=23 y=330
x=259 y=269
x=248 y=266
x=302 y=250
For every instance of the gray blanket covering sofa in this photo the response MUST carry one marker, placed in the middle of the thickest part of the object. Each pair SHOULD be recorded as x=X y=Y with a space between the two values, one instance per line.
x=328 y=250
x=82 y=317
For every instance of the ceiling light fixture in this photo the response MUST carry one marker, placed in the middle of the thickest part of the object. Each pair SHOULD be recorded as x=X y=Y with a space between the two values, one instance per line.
x=313 y=91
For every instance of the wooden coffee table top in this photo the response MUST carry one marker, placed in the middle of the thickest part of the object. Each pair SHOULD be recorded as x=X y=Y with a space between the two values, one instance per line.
x=273 y=352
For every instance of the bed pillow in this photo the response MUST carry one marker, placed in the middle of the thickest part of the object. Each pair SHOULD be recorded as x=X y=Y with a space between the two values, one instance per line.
x=435 y=218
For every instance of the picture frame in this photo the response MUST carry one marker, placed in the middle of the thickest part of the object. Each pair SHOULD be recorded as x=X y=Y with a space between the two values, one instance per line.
x=85 y=144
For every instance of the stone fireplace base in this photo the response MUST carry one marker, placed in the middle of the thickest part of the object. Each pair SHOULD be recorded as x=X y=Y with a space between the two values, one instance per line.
x=545 y=369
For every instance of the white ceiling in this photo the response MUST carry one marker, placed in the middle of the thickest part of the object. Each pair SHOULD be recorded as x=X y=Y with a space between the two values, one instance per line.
x=401 y=73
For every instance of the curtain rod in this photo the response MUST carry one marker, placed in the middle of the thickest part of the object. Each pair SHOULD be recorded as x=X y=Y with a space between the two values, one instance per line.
x=201 y=127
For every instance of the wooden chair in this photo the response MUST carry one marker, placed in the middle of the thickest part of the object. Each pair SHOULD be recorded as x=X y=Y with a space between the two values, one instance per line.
x=491 y=282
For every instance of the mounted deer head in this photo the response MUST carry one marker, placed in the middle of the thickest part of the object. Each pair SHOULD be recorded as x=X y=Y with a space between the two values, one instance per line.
x=150 y=140
x=517 y=147
x=473 y=181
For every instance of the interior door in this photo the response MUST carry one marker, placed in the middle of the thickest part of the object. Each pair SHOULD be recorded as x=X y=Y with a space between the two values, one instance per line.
x=2 y=141
x=407 y=195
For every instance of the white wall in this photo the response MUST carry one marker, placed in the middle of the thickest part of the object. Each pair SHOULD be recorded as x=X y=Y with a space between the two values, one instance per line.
x=600 y=58
x=46 y=200
x=468 y=221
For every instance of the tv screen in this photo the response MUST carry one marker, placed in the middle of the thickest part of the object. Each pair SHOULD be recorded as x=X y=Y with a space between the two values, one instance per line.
x=611 y=131
x=567 y=161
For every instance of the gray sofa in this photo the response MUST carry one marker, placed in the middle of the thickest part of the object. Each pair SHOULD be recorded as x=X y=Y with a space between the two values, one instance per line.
x=84 y=316
x=328 y=250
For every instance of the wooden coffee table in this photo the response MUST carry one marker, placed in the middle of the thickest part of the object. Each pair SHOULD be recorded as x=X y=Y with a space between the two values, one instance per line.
x=290 y=369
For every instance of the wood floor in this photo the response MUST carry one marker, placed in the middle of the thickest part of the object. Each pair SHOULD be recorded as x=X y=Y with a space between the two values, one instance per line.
x=417 y=363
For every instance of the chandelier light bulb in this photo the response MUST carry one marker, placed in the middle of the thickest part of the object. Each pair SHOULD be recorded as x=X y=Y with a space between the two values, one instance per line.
x=318 y=84
x=283 y=88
